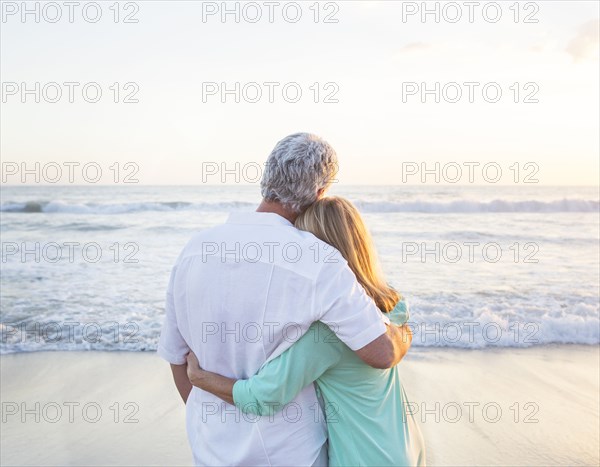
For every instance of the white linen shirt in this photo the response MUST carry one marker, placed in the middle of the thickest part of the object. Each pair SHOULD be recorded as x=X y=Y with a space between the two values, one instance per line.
x=239 y=295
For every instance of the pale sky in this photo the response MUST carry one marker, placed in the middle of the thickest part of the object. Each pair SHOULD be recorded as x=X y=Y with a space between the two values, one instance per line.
x=367 y=54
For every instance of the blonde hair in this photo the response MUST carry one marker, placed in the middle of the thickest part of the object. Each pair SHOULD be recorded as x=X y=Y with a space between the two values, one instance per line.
x=336 y=221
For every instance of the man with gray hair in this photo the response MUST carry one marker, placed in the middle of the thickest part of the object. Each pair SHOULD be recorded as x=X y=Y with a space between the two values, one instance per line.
x=243 y=292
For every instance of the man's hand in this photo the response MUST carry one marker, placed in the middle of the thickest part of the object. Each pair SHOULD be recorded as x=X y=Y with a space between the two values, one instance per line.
x=388 y=349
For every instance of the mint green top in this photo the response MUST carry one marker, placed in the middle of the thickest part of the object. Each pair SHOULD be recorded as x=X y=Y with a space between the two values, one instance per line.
x=366 y=408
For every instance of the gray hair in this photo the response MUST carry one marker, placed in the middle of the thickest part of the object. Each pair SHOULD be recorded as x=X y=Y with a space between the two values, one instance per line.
x=298 y=167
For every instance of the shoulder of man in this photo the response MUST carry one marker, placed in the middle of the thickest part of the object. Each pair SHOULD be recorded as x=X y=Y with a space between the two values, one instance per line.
x=320 y=252
x=194 y=244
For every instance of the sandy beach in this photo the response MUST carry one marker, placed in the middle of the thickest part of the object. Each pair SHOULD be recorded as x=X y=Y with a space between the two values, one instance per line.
x=535 y=406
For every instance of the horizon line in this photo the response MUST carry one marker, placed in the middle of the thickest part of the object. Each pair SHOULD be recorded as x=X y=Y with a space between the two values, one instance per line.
x=214 y=185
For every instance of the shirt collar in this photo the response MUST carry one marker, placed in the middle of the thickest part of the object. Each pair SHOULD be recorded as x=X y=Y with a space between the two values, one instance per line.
x=258 y=218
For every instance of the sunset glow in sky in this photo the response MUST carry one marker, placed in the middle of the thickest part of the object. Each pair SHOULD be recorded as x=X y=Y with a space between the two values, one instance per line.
x=366 y=71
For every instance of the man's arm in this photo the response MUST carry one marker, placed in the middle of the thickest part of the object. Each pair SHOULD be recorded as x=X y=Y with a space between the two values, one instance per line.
x=181 y=380
x=342 y=303
x=388 y=349
x=172 y=346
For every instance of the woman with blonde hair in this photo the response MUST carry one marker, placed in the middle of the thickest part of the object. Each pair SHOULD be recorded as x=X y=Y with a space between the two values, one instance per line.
x=368 y=416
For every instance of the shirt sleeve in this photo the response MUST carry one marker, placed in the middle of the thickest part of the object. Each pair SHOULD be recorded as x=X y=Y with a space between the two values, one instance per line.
x=279 y=380
x=172 y=346
x=343 y=305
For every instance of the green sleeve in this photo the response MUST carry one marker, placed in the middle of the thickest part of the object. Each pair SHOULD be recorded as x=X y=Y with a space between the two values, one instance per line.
x=400 y=314
x=281 y=379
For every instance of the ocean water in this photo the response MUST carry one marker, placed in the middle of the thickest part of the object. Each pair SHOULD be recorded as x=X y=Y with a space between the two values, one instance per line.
x=514 y=266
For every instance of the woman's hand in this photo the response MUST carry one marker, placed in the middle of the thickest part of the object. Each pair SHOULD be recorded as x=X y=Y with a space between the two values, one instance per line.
x=216 y=384
x=194 y=372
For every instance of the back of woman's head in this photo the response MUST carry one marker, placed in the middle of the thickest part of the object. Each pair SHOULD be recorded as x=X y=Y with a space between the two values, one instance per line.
x=336 y=221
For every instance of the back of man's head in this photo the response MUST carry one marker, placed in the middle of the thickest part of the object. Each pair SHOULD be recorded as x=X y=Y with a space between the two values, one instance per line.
x=300 y=167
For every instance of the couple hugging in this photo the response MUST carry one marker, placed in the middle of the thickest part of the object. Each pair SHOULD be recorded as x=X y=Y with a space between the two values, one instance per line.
x=289 y=358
